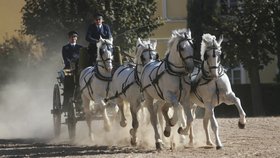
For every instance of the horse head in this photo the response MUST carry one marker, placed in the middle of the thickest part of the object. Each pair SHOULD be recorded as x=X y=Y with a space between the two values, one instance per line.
x=105 y=54
x=211 y=54
x=181 y=49
x=146 y=51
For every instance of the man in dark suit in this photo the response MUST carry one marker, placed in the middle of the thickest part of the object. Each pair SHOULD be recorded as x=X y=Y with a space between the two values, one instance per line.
x=96 y=30
x=70 y=54
x=71 y=51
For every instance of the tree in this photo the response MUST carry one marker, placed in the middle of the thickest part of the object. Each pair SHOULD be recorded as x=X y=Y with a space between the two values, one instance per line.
x=251 y=31
x=50 y=20
x=19 y=52
x=202 y=18
x=251 y=35
x=276 y=19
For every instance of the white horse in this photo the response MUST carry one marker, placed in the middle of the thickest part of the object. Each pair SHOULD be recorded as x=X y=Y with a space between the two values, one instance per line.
x=168 y=80
x=94 y=84
x=127 y=87
x=211 y=88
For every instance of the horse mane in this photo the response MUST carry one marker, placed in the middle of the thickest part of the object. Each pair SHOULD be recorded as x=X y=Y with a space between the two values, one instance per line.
x=208 y=41
x=98 y=49
x=174 y=36
x=98 y=45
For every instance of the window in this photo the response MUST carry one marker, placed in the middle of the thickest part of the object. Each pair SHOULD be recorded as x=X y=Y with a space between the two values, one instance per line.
x=237 y=75
x=175 y=10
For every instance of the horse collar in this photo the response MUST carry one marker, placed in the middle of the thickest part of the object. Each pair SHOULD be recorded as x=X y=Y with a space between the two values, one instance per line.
x=100 y=76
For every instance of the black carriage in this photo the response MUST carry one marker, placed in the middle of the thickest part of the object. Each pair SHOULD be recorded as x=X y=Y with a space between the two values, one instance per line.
x=67 y=101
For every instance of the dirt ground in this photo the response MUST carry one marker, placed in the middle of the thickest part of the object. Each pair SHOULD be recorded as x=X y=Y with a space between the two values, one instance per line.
x=260 y=138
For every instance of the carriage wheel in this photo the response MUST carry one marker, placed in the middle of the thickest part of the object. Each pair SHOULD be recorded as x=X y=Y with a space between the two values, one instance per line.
x=71 y=120
x=56 y=110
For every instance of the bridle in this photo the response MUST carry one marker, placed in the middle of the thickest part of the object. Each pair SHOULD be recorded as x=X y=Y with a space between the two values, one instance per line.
x=184 y=59
x=103 y=60
x=149 y=50
x=180 y=49
x=214 y=55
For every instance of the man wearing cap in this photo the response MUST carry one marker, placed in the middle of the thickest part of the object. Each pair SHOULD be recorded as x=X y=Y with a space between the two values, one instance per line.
x=71 y=50
x=96 y=30
x=70 y=53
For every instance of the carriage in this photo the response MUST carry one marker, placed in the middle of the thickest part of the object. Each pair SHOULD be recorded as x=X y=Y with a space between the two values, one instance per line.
x=72 y=109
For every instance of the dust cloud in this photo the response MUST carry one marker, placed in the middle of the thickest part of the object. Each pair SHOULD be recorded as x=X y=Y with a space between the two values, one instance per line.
x=26 y=101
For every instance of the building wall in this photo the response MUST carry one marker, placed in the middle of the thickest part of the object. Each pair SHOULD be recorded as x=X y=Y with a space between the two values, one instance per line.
x=174 y=14
x=10 y=17
x=268 y=74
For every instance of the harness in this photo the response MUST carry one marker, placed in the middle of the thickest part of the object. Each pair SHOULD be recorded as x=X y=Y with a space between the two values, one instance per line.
x=126 y=85
x=168 y=69
x=207 y=77
x=95 y=72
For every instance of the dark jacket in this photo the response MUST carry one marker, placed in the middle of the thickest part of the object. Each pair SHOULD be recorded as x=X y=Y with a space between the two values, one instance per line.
x=69 y=53
x=94 y=33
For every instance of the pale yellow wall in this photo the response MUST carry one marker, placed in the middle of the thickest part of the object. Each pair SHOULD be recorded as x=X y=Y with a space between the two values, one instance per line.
x=174 y=13
x=268 y=74
x=10 y=17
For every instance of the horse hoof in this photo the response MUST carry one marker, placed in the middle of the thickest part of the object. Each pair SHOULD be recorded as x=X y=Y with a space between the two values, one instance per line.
x=166 y=133
x=240 y=125
x=172 y=123
x=133 y=142
x=209 y=143
x=180 y=130
x=219 y=147
x=123 y=124
x=132 y=132
x=158 y=146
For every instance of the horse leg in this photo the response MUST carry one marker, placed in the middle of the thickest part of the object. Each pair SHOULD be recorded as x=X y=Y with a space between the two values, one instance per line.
x=154 y=121
x=236 y=101
x=191 y=136
x=87 y=111
x=134 y=108
x=175 y=104
x=209 y=114
x=206 y=129
x=107 y=124
x=189 y=112
x=167 y=130
x=158 y=106
x=183 y=123
x=123 y=122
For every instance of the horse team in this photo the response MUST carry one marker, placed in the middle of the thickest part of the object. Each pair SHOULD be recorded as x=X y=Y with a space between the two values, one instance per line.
x=172 y=83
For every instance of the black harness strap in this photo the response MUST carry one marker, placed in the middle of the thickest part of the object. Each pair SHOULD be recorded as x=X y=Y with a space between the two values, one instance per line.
x=207 y=78
x=125 y=87
x=88 y=84
x=217 y=92
x=154 y=82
